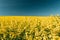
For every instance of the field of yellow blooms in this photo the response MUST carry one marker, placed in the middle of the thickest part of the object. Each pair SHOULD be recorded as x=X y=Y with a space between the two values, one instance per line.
x=29 y=28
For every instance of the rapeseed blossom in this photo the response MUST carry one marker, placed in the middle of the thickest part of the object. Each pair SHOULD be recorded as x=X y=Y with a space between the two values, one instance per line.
x=29 y=28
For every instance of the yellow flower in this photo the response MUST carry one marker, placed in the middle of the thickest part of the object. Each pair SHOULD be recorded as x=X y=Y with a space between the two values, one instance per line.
x=30 y=27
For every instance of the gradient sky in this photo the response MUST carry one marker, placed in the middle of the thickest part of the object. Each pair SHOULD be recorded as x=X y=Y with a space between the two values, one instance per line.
x=29 y=7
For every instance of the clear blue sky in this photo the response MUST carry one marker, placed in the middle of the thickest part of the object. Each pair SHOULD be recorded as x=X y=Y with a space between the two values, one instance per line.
x=29 y=7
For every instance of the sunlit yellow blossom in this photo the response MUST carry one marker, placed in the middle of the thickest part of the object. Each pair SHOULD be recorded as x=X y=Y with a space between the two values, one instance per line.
x=29 y=28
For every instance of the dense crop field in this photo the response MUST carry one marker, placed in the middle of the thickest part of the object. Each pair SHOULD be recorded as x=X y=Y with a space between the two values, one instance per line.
x=29 y=28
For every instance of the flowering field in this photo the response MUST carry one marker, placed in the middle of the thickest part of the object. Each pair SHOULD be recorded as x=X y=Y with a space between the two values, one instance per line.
x=29 y=28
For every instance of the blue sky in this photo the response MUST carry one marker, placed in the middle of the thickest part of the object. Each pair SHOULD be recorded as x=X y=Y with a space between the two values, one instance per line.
x=29 y=7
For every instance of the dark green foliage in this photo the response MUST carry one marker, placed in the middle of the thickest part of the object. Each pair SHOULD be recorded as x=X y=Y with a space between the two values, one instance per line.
x=1 y=35
x=58 y=34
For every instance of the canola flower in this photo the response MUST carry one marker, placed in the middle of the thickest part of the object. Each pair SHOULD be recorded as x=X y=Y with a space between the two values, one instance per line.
x=29 y=28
